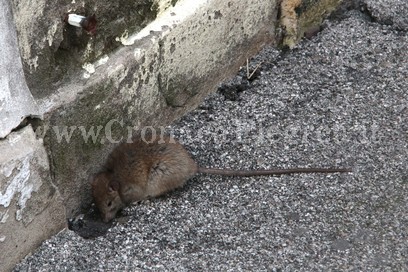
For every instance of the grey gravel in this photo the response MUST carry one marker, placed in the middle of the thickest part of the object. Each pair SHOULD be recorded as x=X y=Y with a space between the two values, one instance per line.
x=339 y=99
x=391 y=12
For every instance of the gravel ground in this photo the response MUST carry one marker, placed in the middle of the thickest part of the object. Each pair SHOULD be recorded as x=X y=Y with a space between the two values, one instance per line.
x=339 y=99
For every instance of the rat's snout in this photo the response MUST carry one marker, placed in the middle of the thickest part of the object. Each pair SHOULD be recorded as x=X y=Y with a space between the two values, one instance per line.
x=107 y=217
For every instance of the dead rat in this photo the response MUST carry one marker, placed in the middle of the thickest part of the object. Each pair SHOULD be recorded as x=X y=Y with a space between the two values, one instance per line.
x=148 y=168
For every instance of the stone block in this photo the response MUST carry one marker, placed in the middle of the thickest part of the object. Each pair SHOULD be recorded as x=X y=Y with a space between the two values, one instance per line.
x=31 y=208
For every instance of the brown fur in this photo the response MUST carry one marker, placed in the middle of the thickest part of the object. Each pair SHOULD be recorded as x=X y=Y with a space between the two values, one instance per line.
x=139 y=170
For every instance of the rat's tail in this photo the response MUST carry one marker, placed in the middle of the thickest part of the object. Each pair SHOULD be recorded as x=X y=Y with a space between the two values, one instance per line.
x=261 y=172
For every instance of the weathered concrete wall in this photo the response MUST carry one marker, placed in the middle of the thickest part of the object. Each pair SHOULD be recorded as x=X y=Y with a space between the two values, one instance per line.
x=31 y=208
x=16 y=101
x=52 y=50
x=130 y=74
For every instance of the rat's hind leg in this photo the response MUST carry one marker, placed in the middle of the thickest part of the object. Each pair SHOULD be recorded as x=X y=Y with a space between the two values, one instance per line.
x=171 y=170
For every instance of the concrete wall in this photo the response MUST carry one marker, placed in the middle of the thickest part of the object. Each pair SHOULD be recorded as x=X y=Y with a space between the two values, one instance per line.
x=148 y=63
x=31 y=209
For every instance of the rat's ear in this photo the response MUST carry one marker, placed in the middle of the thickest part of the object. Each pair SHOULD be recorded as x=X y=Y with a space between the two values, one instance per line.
x=113 y=186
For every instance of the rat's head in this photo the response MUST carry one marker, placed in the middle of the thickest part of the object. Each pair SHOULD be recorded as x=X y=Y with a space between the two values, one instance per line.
x=106 y=195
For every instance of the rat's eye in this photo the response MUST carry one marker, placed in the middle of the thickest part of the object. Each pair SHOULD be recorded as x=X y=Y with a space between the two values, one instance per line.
x=109 y=203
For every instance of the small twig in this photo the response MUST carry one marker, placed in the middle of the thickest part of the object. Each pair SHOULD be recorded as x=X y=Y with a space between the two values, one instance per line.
x=247 y=69
x=253 y=72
